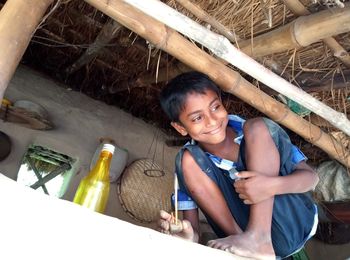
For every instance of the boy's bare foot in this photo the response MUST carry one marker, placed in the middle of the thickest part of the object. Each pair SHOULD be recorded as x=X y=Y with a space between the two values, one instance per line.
x=182 y=229
x=246 y=244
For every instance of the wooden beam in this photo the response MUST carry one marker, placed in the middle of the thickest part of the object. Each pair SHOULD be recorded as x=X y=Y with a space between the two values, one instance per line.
x=338 y=51
x=229 y=80
x=309 y=79
x=18 y=22
x=58 y=39
x=108 y=32
x=328 y=87
x=78 y=49
x=301 y=32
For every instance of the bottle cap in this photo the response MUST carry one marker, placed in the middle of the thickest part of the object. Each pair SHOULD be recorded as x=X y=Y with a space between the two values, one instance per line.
x=108 y=147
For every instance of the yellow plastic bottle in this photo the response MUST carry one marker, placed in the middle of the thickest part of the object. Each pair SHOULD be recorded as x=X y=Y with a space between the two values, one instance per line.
x=93 y=190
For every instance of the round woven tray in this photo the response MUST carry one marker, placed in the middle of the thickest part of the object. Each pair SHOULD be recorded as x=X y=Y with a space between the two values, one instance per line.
x=144 y=188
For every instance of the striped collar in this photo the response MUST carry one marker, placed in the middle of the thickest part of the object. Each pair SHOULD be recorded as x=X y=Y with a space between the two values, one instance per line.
x=236 y=123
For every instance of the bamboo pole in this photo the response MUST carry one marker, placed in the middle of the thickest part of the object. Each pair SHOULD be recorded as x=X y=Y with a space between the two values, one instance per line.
x=230 y=81
x=338 y=51
x=221 y=47
x=18 y=21
x=301 y=32
x=107 y=33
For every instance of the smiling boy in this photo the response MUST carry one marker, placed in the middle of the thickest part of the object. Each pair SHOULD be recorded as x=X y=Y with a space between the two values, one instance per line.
x=263 y=213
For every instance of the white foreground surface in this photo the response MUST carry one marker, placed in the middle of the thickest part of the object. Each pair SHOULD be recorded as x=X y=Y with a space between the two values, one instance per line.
x=37 y=226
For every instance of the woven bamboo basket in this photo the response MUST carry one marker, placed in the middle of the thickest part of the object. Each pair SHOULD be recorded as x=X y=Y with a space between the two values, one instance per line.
x=144 y=188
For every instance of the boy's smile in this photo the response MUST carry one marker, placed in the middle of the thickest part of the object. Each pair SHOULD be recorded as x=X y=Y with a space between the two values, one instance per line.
x=204 y=118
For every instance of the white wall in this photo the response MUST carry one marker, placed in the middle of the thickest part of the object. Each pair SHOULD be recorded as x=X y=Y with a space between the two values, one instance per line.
x=79 y=123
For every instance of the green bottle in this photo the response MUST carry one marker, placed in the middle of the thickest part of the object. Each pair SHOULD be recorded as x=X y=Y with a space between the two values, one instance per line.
x=93 y=190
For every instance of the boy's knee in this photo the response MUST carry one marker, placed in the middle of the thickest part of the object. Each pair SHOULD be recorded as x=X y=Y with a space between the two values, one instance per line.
x=255 y=128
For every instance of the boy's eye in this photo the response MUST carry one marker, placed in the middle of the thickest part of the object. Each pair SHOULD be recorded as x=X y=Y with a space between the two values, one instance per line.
x=197 y=119
x=215 y=107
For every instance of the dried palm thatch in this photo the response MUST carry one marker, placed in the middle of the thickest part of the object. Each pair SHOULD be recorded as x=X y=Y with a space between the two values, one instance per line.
x=248 y=19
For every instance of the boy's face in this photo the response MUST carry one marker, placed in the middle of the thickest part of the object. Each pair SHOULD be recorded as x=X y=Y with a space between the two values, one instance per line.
x=204 y=118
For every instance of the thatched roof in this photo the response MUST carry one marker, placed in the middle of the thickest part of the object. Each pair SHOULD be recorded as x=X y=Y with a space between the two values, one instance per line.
x=125 y=69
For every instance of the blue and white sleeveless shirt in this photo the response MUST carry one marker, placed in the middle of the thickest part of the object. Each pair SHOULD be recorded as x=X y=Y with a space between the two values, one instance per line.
x=185 y=202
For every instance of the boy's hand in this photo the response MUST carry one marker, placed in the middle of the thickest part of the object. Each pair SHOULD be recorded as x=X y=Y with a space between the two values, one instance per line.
x=253 y=187
x=165 y=226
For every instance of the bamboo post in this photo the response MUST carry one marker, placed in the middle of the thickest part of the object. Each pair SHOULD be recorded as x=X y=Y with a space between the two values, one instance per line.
x=338 y=51
x=229 y=80
x=222 y=48
x=301 y=32
x=18 y=21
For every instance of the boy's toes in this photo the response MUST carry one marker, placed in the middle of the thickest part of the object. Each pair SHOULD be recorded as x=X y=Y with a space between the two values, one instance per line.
x=211 y=243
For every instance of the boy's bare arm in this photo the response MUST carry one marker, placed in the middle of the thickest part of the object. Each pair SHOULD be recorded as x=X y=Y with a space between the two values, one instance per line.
x=254 y=187
x=207 y=195
x=192 y=217
x=303 y=179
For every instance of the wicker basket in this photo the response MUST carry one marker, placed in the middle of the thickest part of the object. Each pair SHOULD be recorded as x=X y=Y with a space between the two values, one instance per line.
x=144 y=189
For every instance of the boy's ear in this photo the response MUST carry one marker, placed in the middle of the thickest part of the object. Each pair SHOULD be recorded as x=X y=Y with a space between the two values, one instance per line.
x=180 y=128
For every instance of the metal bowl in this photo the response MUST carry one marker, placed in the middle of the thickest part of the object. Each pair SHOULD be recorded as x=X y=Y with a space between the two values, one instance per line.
x=32 y=107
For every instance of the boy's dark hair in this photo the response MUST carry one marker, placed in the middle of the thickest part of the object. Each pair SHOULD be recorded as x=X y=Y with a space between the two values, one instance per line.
x=174 y=94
